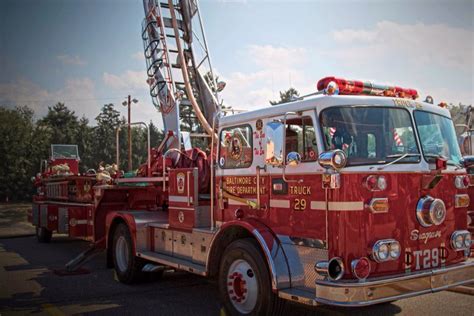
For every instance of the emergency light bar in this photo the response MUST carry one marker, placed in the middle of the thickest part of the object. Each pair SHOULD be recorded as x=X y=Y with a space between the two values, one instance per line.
x=332 y=85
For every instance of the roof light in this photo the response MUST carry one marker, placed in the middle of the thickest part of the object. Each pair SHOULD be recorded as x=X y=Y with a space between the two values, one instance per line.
x=353 y=87
x=429 y=99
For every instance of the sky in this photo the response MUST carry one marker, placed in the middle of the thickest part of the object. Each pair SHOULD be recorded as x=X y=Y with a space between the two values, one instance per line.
x=90 y=53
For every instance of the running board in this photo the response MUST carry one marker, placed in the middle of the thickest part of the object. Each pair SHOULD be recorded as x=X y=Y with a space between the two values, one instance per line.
x=298 y=295
x=178 y=263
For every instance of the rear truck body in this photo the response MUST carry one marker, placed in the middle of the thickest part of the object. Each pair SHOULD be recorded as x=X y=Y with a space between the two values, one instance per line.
x=64 y=202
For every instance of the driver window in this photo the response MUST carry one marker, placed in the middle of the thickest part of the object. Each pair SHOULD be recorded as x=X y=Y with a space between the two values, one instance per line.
x=301 y=138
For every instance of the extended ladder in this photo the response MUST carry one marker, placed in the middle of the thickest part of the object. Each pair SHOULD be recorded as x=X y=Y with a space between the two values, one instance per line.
x=169 y=34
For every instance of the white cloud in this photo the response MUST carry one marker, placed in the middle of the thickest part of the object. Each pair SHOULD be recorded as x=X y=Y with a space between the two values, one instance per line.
x=78 y=94
x=435 y=44
x=71 y=60
x=132 y=80
x=276 y=68
x=138 y=56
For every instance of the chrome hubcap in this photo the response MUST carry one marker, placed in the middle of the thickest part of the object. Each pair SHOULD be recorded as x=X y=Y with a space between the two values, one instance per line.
x=121 y=253
x=242 y=286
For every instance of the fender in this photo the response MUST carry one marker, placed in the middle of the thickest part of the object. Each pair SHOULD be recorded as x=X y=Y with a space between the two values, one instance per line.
x=136 y=222
x=270 y=245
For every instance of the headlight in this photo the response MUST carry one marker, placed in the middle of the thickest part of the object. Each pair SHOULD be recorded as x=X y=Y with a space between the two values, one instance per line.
x=460 y=240
x=384 y=250
x=394 y=250
x=467 y=241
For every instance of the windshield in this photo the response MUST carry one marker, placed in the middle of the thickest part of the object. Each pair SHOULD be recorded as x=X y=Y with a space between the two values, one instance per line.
x=64 y=151
x=437 y=137
x=370 y=135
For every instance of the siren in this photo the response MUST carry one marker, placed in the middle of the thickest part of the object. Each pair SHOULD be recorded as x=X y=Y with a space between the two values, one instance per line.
x=333 y=85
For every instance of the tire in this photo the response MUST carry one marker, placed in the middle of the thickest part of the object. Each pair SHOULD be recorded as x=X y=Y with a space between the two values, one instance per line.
x=243 y=261
x=128 y=267
x=43 y=234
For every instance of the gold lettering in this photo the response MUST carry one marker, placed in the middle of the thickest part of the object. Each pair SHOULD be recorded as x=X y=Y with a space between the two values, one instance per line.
x=300 y=190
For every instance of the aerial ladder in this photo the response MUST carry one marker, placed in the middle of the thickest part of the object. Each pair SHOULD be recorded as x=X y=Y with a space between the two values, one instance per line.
x=179 y=66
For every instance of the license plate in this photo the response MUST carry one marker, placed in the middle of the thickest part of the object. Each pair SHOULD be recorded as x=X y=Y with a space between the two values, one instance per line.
x=427 y=258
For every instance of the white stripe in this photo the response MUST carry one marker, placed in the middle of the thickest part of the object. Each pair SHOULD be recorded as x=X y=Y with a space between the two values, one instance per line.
x=338 y=206
x=280 y=203
x=177 y=198
x=318 y=205
x=235 y=202
x=81 y=222
x=181 y=208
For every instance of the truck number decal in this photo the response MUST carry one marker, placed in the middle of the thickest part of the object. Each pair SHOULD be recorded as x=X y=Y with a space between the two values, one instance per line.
x=426 y=258
x=300 y=204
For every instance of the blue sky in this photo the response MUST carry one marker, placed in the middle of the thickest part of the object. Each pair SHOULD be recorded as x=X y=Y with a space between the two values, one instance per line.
x=88 y=53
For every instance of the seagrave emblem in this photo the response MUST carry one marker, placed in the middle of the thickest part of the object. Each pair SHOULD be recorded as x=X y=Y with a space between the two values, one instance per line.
x=181 y=217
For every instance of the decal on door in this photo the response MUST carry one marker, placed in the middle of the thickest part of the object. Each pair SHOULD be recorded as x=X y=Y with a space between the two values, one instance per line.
x=180 y=178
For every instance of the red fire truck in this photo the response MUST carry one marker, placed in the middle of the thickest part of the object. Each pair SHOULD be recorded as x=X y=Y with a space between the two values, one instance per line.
x=64 y=200
x=352 y=196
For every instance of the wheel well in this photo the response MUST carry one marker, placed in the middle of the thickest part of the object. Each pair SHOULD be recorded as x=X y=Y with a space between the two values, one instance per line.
x=230 y=235
x=110 y=239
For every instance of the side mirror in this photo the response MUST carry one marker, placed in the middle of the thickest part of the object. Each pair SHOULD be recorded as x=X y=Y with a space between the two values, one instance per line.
x=274 y=132
x=468 y=162
x=334 y=159
x=293 y=159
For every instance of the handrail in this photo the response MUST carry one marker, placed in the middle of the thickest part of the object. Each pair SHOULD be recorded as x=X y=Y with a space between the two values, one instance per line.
x=117 y=145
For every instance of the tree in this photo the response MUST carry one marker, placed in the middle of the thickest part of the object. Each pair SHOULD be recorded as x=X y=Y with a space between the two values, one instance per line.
x=286 y=96
x=63 y=124
x=104 y=147
x=19 y=161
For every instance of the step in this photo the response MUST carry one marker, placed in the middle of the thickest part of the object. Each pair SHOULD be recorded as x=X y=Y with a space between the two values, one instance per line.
x=300 y=295
x=174 y=262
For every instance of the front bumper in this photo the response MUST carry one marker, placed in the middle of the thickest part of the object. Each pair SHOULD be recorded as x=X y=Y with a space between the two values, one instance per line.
x=394 y=288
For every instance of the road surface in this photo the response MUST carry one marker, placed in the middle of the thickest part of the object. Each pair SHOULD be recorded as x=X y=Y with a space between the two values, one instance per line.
x=29 y=284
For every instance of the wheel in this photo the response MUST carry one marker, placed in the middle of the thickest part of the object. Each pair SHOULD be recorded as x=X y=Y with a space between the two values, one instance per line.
x=43 y=234
x=128 y=267
x=244 y=281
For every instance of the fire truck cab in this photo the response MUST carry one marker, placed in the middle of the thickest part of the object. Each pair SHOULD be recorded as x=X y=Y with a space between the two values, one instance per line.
x=347 y=200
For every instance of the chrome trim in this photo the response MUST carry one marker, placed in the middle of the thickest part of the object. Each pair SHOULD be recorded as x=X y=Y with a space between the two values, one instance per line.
x=419 y=211
x=327 y=159
x=373 y=201
x=379 y=243
x=321 y=268
x=453 y=237
x=354 y=264
x=433 y=217
x=356 y=293
x=341 y=265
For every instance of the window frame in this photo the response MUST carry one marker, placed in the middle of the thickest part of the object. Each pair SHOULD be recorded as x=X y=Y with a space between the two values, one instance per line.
x=419 y=137
x=307 y=116
x=220 y=145
x=412 y=123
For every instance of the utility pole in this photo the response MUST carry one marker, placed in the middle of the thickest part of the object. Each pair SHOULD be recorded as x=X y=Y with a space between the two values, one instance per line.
x=128 y=103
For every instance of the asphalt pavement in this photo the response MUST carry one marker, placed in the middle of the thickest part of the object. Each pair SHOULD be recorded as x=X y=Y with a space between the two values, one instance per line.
x=30 y=284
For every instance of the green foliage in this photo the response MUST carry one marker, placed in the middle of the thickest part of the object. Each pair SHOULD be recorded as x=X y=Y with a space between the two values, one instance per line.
x=286 y=96
x=24 y=143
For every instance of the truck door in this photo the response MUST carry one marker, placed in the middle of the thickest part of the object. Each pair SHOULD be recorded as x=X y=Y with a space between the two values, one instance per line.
x=297 y=202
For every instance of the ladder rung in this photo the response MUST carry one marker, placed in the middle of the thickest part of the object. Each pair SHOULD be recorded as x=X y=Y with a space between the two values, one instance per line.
x=176 y=66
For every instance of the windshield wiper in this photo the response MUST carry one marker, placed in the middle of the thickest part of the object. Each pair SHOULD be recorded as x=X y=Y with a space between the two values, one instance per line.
x=399 y=157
